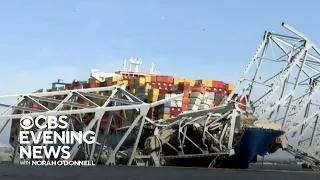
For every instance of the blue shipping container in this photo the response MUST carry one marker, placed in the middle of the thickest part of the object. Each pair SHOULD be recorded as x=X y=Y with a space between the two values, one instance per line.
x=217 y=95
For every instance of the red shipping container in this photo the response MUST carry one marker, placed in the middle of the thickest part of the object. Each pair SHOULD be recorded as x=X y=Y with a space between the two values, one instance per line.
x=175 y=111
x=159 y=79
x=184 y=107
x=63 y=96
x=174 y=114
x=220 y=84
x=225 y=86
x=68 y=86
x=186 y=94
x=164 y=79
x=163 y=91
x=103 y=84
x=109 y=83
x=184 y=86
x=75 y=84
x=185 y=100
x=214 y=84
x=86 y=85
x=151 y=113
x=116 y=123
x=170 y=79
x=154 y=86
x=163 y=84
x=93 y=85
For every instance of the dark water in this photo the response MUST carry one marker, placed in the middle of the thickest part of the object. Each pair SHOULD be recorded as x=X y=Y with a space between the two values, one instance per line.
x=17 y=172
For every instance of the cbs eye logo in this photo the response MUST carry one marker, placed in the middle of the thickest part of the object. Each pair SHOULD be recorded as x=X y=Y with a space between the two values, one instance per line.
x=26 y=122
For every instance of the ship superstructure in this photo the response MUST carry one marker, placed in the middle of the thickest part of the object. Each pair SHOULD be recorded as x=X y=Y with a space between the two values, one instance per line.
x=154 y=120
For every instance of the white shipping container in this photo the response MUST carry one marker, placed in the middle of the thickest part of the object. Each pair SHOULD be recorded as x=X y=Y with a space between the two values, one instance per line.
x=195 y=101
x=193 y=108
x=179 y=103
x=211 y=95
x=173 y=103
x=204 y=106
x=206 y=95
x=208 y=101
x=164 y=96
x=196 y=95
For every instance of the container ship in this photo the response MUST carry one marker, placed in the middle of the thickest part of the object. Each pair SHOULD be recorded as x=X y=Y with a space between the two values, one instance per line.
x=251 y=138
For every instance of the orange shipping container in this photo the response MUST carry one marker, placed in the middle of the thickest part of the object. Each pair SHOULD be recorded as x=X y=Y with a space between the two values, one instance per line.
x=153 y=79
x=198 y=89
x=184 y=107
x=185 y=100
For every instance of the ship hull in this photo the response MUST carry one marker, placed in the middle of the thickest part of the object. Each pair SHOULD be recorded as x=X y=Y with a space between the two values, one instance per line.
x=253 y=142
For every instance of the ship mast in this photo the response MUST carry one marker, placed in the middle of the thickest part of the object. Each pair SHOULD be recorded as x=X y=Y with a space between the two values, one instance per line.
x=125 y=65
x=152 y=68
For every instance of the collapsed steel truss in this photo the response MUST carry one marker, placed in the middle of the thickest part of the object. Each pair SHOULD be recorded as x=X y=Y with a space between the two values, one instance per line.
x=99 y=151
x=287 y=93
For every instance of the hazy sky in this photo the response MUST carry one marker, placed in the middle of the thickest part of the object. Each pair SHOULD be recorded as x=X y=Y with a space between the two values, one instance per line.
x=42 y=41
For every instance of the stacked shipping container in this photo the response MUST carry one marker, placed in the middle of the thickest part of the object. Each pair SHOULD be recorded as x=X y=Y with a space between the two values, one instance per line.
x=198 y=94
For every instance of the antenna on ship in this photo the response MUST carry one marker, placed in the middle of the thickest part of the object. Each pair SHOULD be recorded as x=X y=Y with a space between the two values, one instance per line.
x=152 y=68
x=125 y=65
x=130 y=69
x=136 y=62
